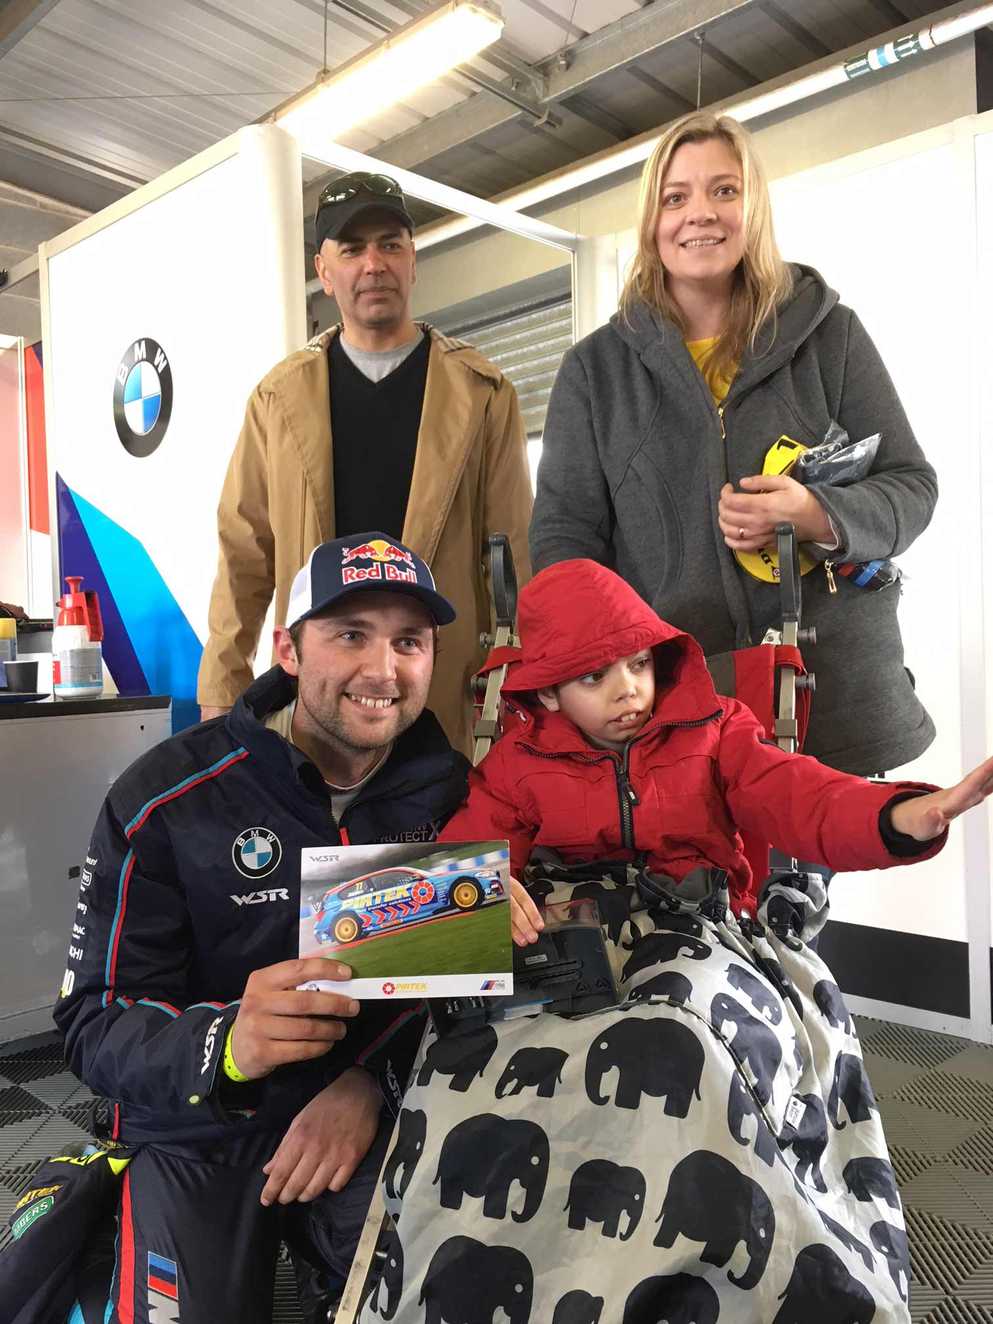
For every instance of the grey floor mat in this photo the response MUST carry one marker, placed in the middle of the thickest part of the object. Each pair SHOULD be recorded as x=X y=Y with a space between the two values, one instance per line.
x=43 y=1107
x=935 y=1093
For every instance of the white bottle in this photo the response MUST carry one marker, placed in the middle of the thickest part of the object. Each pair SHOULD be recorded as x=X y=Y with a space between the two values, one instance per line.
x=77 y=663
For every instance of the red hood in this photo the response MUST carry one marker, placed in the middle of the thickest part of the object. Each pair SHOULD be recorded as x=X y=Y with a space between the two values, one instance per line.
x=578 y=616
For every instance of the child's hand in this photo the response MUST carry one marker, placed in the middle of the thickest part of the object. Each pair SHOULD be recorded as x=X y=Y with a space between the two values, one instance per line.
x=926 y=816
x=525 y=919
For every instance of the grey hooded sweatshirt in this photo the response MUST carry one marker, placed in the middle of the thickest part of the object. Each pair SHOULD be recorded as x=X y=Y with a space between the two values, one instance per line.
x=635 y=454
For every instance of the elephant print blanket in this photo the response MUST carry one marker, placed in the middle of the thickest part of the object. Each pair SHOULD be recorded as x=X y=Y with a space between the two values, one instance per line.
x=710 y=1149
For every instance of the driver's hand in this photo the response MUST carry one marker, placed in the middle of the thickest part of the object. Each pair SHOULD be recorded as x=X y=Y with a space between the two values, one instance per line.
x=326 y=1141
x=279 y=1023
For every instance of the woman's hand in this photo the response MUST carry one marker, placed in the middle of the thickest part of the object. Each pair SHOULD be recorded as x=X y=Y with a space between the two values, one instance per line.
x=926 y=816
x=525 y=918
x=748 y=518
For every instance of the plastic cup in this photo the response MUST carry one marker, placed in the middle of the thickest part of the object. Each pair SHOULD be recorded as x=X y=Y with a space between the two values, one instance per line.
x=22 y=677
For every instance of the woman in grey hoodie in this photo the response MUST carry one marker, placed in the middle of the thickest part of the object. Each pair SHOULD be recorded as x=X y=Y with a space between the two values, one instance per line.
x=660 y=424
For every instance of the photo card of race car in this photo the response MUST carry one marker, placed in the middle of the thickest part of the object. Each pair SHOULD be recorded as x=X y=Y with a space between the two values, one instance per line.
x=415 y=919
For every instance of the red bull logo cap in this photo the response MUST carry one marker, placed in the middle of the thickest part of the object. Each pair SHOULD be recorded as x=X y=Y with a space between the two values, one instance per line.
x=362 y=563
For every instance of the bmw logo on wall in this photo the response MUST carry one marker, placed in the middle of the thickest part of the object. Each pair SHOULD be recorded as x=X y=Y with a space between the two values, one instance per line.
x=256 y=852
x=142 y=397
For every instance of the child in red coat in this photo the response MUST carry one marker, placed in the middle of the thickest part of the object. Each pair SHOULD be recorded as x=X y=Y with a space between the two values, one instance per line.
x=617 y=746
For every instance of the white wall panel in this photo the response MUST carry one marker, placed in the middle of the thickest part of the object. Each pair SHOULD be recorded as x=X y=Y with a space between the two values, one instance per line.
x=210 y=268
x=863 y=225
x=982 y=344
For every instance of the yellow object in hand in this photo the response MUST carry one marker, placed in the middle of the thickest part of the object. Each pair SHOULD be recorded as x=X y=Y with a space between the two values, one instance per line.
x=764 y=564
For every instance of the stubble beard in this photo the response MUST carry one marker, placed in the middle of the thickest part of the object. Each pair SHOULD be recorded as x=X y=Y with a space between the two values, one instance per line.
x=340 y=735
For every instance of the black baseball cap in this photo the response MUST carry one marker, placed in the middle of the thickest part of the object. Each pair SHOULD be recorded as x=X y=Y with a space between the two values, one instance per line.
x=350 y=195
x=362 y=563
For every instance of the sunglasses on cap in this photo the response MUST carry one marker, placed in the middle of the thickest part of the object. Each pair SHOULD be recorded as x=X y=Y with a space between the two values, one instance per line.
x=361 y=181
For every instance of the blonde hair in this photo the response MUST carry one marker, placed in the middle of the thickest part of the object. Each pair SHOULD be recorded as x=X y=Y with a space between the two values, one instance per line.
x=762 y=280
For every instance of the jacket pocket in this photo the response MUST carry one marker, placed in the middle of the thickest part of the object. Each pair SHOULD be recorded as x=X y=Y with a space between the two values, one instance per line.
x=649 y=529
x=565 y=812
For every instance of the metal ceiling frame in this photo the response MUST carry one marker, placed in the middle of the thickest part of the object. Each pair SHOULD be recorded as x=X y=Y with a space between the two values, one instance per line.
x=611 y=48
x=18 y=17
x=914 y=37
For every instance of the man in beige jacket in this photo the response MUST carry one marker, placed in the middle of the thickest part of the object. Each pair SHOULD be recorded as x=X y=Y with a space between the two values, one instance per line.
x=428 y=447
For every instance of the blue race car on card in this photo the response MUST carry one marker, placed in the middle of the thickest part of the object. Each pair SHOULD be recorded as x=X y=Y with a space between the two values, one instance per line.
x=390 y=898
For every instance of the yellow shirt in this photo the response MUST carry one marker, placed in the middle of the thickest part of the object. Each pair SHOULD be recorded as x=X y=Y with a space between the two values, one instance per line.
x=718 y=382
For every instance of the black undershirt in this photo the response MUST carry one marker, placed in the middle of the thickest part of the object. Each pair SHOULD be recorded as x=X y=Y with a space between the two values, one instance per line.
x=374 y=428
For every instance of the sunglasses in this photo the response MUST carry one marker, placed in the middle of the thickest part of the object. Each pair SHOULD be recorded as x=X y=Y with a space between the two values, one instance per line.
x=350 y=186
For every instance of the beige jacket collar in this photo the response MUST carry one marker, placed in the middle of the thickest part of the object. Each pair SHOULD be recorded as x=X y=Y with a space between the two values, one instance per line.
x=444 y=440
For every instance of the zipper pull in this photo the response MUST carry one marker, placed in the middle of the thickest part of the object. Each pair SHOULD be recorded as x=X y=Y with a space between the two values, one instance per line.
x=720 y=419
x=627 y=790
x=829 y=572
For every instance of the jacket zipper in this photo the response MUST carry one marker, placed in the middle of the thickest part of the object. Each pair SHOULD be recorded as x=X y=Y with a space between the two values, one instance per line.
x=627 y=796
x=720 y=420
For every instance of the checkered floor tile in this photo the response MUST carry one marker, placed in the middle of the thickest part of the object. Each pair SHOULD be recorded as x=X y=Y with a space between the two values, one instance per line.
x=43 y=1108
x=935 y=1093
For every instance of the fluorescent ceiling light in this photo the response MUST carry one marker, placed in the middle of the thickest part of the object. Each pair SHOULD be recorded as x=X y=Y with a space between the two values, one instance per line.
x=408 y=59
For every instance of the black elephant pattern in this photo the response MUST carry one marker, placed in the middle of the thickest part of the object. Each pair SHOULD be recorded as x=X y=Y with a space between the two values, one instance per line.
x=669 y=984
x=660 y=1058
x=384 y=1285
x=869 y=1178
x=578 y=1307
x=712 y=1201
x=485 y=1155
x=741 y=1104
x=846 y=1238
x=605 y=1192
x=678 y=921
x=831 y=1005
x=708 y=1150
x=755 y=1045
x=532 y=1068
x=808 y=1140
x=891 y=1242
x=767 y=1003
x=462 y=1056
x=822 y=1291
x=469 y=1281
x=777 y=976
x=678 y=1298
x=412 y=1128
x=850 y=1087
x=655 y=948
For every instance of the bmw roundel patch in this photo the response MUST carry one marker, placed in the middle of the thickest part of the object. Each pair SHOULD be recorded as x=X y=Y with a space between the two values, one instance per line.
x=256 y=852
x=142 y=397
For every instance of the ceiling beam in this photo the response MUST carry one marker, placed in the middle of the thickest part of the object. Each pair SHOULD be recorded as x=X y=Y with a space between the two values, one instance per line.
x=890 y=12
x=682 y=104
x=37 y=148
x=733 y=67
x=797 y=31
x=599 y=116
x=612 y=47
x=18 y=17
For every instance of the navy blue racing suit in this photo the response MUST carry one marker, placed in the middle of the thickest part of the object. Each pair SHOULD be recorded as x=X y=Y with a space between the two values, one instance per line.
x=191 y=882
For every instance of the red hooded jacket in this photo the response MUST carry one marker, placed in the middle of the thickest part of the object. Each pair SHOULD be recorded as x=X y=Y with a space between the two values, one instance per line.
x=699 y=769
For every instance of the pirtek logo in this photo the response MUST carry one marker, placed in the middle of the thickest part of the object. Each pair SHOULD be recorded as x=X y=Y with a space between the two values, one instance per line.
x=256 y=898
x=208 y=1043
